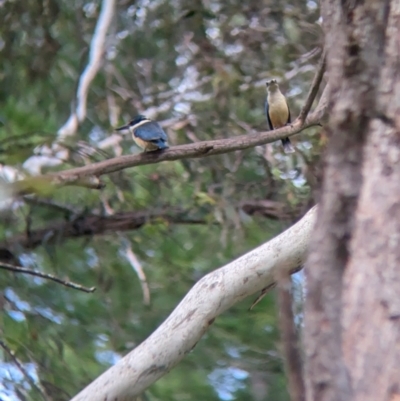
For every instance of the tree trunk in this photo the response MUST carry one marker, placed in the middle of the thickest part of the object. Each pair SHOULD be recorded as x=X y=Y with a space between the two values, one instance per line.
x=352 y=317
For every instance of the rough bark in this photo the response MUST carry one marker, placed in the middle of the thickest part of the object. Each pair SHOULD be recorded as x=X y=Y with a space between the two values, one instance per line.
x=355 y=42
x=371 y=293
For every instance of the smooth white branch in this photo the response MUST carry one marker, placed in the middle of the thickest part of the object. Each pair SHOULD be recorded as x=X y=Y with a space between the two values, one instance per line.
x=53 y=156
x=210 y=296
x=97 y=49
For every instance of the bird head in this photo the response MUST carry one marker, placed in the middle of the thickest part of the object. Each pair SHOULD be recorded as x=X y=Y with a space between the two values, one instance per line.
x=139 y=119
x=272 y=85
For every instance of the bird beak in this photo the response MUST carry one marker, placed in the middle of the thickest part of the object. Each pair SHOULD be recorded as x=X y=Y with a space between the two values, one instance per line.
x=124 y=127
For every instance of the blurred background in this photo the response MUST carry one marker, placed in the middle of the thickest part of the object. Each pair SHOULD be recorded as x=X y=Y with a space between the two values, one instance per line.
x=199 y=68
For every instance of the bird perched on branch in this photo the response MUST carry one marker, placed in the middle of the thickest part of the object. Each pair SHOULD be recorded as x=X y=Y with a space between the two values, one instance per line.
x=277 y=111
x=146 y=133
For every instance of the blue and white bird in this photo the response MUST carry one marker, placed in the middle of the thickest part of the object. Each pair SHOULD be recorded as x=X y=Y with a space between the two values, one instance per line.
x=146 y=133
x=277 y=111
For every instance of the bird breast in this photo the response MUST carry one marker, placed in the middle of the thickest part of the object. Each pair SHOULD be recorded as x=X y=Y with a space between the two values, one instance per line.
x=278 y=110
x=145 y=145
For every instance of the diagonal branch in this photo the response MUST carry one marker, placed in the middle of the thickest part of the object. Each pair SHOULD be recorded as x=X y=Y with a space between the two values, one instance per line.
x=193 y=150
x=97 y=49
x=37 y=386
x=209 y=297
x=314 y=88
x=37 y=273
x=136 y=265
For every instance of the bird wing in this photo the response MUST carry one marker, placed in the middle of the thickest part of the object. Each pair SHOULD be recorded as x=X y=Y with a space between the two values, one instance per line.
x=289 y=120
x=150 y=131
x=267 y=114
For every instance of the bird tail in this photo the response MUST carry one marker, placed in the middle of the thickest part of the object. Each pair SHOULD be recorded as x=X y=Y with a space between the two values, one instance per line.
x=161 y=144
x=287 y=145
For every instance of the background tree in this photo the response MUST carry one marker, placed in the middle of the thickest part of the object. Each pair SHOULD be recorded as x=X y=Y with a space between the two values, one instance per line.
x=200 y=69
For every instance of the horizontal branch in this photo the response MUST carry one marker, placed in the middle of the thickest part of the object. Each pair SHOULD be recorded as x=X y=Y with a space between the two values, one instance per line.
x=192 y=150
x=83 y=225
x=88 y=225
x=209 y=297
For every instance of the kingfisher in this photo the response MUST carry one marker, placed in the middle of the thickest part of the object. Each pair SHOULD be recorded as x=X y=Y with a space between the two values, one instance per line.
x=277 y=111
x=146 y=133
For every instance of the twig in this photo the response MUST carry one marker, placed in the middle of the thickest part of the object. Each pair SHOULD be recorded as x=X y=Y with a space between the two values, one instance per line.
x=265 y=290
x=290 y=343
x=23 y=370
x=313 y=89
x=133 y=260
x=18 y=269
x=263 y=293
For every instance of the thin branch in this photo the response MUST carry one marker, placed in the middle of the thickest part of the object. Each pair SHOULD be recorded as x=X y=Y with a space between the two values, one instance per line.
x=37 y=273
x=263 y=293
x=134 y=261
x=56 y=152
x=97 y=49
x=18 y=364
x=314 y=88
x=290 y=342
x=193 y=150
x=265 y=290
x=210 y=296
